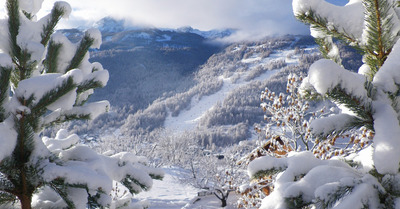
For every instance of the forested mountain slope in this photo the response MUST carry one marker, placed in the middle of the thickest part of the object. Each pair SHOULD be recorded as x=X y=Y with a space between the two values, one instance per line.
x=177 y=81
x=223 y=105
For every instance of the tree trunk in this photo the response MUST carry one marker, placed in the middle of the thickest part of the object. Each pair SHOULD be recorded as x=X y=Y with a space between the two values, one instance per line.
x=221 y=196
x=25 y=196
x=223 y=202
x=25 y=201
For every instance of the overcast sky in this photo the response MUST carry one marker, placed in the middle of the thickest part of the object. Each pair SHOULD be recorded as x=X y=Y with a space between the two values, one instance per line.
x=253 y=18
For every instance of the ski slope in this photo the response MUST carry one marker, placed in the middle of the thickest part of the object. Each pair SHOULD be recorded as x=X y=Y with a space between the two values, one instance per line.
x=189 y=118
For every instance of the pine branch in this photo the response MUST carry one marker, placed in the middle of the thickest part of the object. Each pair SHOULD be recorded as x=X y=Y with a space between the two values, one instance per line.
x=5 y=75
x=326 y=46
x=361 y=108
x=334 y=197
x=51 y=61
x=129 y=180
x=48 y=29
x=379 y=26
x=25 y=140
x=296 y=202
x=80 y=53
x=13 y=26
x=5 y=184
x=157 y=177
x=24 y=67
x=27 y=14
x=93 y=200
x=89 y=84
x=39 y=109
x=321 y=24
x=59 y=186
x=65 y=118
x=312 y=94
x=20 y=57
x=86 y=85
x=269 y=172
x=7 y=198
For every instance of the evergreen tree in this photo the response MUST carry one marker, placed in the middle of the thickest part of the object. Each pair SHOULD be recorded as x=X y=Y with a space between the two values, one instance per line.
x=368 y=99
x=45 y=80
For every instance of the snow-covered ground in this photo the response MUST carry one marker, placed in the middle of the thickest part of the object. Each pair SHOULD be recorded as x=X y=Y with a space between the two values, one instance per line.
x=170 y=193
x=211 y=202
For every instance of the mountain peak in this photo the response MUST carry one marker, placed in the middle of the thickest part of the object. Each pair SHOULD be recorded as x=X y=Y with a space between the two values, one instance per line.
x=211 y=34
x=109 y=24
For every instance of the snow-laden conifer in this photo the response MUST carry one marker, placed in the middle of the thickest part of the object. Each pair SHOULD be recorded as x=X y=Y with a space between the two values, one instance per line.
x=368 y=99
x=45 y=80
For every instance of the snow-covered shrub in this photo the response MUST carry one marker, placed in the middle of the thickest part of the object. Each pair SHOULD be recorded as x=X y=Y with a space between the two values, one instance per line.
x=45 y=79
x=368 y=99
x=288 y=119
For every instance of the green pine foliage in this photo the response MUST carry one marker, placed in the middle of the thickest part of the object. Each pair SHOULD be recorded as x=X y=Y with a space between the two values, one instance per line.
x=41 y=85
x=368 y=99
x=380 y=38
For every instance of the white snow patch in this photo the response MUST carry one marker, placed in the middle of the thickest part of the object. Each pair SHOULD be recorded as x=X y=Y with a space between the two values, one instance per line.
x=350 y=17
x=30 y=6
x=386 y=140
x=164 y=37
x=8 y=139
x=65 y=7
x=170 y=192
x=96 y=35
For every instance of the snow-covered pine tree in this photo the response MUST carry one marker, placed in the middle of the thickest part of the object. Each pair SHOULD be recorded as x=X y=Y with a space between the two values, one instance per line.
x=369 y=99
x=44 y=80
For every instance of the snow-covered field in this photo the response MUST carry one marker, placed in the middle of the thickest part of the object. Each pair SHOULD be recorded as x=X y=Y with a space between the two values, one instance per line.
x=170 y=193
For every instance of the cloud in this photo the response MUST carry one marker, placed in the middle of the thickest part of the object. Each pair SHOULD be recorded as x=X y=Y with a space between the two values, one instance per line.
x=252 y=18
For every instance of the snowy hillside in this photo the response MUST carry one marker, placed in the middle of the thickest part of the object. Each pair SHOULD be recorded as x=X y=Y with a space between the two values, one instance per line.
x=189 y=118
x=225 y=96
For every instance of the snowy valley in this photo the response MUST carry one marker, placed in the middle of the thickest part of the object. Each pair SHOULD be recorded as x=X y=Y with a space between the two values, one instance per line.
x=209 y=104
x=209 y=107
x=122 y=114
x=125 y=115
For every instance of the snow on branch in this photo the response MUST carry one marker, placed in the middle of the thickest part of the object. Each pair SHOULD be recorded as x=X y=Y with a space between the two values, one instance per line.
x=46 y=79
x=388 y=76
x=343 y=22
x=325 y=75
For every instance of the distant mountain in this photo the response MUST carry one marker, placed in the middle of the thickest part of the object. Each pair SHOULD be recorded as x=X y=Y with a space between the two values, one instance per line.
x=109 y=24
x=146 y=63
x=177 y=80
x=112 y=25
x=223 y=104
x=211 y=34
